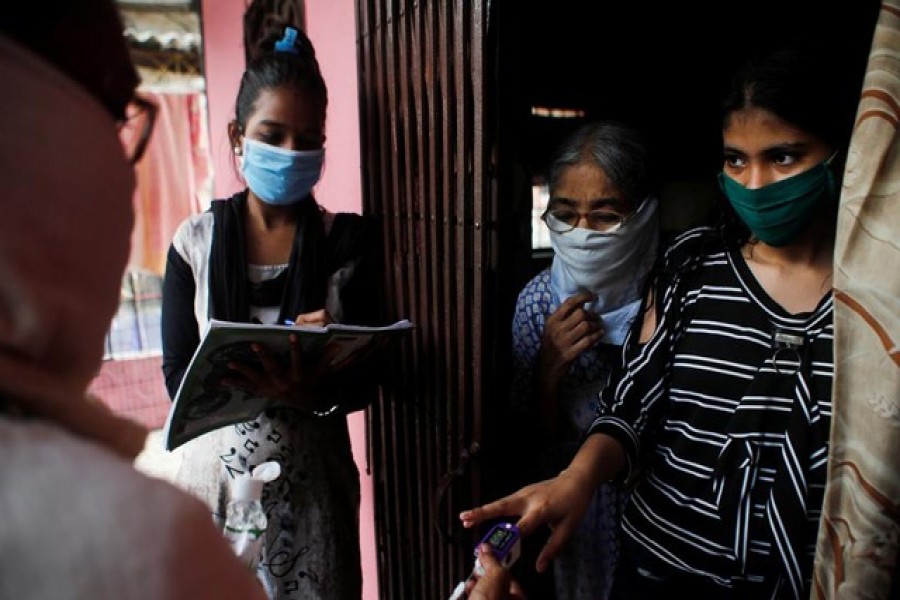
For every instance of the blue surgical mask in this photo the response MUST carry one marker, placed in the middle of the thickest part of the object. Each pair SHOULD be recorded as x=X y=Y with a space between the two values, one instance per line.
x=278 y=176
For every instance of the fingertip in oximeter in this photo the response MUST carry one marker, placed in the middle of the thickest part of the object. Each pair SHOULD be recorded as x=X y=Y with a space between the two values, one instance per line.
x=505 y=542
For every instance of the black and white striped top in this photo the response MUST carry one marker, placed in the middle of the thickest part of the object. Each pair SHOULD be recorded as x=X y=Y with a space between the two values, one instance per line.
x=730 y=447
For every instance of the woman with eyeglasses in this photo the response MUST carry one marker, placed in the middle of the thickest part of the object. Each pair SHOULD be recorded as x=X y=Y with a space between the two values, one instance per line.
x=76 y=519
x=571 y=320
x=721 y=413
x=271 y=254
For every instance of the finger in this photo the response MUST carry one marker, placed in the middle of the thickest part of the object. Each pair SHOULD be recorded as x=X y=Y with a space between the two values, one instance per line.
x=577 y=301
x=317 y=318
x=495 y=580
x=251 y=375
x=265 y=357
x=582 y=315
x=579 y=318
x=585 y=343
x=531 y=521
x=583 y=328
x=486 y=556
x=296 y=356
x=501 y=508
x=561 y=330
x=570 y=305
x=587 y=317
x=329 y=355
x=555 y=543
x=574 y=342
x=591 y=315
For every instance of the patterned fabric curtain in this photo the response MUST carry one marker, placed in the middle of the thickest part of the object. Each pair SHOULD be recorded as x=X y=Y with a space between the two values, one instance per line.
x=858 y=536
x=174 y=179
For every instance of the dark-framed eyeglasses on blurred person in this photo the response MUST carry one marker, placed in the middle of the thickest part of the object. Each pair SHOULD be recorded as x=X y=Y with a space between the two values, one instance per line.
x=136 y=127
x=565 y=217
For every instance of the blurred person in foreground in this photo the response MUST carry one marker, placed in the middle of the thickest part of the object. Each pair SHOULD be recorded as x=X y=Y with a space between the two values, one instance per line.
x=78 y=521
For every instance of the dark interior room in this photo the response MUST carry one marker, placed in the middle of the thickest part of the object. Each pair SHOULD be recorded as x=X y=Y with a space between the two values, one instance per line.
x=660 y=68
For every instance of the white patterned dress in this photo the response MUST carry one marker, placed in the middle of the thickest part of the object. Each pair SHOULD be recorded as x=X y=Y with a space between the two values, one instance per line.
x=311 y=548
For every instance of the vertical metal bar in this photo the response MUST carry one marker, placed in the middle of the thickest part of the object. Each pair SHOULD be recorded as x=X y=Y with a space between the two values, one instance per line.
x=404 y=452
x=434 y=92
x=418 y=534
x=418 y=134
x=463 y=256
x=477 y=35
x=450 y=317
x=422 y=118
x=424 y=93
x=379 y=189
x=394 y=465
x=368 y=111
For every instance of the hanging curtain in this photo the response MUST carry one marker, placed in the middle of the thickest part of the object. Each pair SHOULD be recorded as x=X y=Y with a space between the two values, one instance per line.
x=858 y=536
x=174 y=179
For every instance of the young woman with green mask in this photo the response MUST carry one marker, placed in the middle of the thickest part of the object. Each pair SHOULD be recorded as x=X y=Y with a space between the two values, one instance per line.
x=721 y=412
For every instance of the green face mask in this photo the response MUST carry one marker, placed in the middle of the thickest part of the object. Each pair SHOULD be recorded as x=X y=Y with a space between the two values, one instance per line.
x=778 y=212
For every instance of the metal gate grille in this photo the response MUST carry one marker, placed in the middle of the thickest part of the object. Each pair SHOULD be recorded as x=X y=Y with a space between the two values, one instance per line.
x=424 y=177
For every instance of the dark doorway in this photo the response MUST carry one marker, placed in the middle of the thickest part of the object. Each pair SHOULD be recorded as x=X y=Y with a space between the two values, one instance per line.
x=661 y=67
x=450 y=151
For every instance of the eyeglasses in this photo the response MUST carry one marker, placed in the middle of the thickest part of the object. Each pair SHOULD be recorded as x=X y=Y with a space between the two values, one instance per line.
x=135 y=128
x=566 y=218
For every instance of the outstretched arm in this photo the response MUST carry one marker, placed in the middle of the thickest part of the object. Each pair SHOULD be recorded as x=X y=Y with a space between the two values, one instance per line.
x=560 y=502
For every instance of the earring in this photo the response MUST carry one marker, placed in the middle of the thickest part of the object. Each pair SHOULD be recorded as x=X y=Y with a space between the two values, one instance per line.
x=237 y=150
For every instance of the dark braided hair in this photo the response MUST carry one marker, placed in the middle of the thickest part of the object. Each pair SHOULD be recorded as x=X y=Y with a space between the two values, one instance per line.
x=268 y=69
x=261 y=15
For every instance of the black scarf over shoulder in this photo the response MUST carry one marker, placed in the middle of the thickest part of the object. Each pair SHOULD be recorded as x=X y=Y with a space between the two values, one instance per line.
x=313 y=258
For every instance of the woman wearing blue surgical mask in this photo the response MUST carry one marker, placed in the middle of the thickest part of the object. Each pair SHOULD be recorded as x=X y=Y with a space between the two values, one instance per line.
x=721 y=414
x=269 y=254
x=572 y=318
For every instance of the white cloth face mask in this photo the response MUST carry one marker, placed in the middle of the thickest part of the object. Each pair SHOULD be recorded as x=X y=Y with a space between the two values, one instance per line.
x=611 y=265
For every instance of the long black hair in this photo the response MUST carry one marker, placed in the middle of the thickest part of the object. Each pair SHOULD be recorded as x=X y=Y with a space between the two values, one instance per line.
x=806 y=86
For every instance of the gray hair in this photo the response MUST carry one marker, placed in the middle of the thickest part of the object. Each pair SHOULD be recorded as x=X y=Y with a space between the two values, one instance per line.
x=617 y=149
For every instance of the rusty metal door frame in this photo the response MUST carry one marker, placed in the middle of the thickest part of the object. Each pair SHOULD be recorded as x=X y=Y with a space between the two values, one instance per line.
x=426 y=179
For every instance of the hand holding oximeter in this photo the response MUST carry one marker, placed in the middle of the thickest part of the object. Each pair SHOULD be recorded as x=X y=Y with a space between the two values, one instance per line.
x=505 y=542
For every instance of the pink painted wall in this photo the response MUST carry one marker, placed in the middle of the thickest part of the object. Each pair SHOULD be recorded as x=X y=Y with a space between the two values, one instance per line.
x=331 y=25
x=223 y=48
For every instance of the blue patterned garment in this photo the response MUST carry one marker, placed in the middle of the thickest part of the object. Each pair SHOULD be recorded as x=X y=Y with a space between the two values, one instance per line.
x=585 y=568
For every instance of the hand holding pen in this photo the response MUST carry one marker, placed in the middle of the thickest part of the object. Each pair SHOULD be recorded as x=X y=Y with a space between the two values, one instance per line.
x=317 y=318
